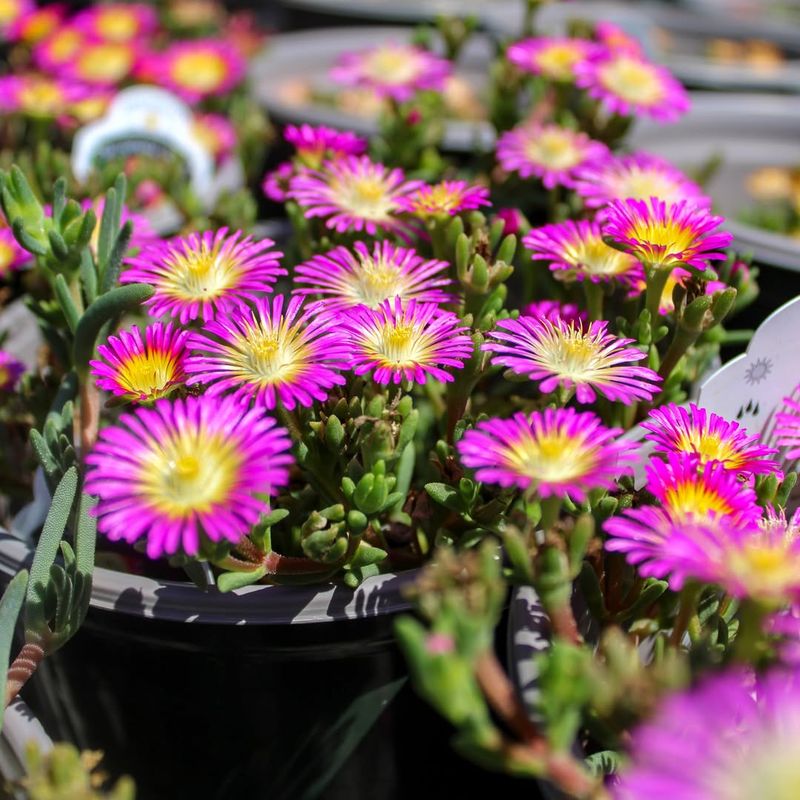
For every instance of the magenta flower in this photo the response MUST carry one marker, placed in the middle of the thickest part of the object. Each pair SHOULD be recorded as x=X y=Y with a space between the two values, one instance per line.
x=787 y=430
x=554 y=311
x=269 y=354
x=184 y=471
x=202 y=274
x=117 y=22
x=217 y=133
x=12 y=256
x=666 y=236
x=10 y=371
x=410 y=341
x=316 y=144
x=673 y=429
x=12 y=10
x=142 y=370
x=732 y=737
x=348 y=278
x=276 y=183
x=638 y=176
x=548 y=152
x=576 y=251
x=447 y=198
x=105 y=64
x=688 y=488
x=553 y=452
x=513 y=220
x=552 y=57
x=35 y=24
x=616 y=39
x=57 y=49
x=629 y=85
x=38 y=95
x=196 y=69
x=588 y=360
x=353 y=193
x=393 y=70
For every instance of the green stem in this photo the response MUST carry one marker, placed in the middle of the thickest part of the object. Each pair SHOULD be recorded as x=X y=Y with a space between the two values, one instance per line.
x=681 y=342
x=594 y=299
x=657 y=278
x=749 y=637
x=551 y=508
x=690 y=594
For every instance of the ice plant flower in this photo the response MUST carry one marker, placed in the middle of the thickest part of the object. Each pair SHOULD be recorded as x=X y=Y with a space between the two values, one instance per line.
x=58 y=49
x=142 y=370
x=202 y=274
x=447 y=198
x=588 y=360
x=407 y=341
x=552 y=57
x=732 y=739
x=569 y=313
x=315 y=144
x=36 y=24
x=276 y=182
x=12 y=10
x=664 y=235
x=686 y=487
x=638 y=176
x=674 y=429
x=513 y=220
x=787 y=429
x=216 y=133
x=576 y=251
x=10 y=371
x=552 y=452
x=549 y=152
x=38 y=95
x=271 y=354
x=615 y=38
x=353 y=193
x=368 y=276
x=393 y=70
x=629 y=85
x=196 y=69
x=184 y=471
x=12 y=256
x=102 y=63
x=117 y=22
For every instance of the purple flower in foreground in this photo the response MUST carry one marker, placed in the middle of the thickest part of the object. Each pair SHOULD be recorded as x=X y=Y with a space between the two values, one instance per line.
x=186 y=470
x=10 y=371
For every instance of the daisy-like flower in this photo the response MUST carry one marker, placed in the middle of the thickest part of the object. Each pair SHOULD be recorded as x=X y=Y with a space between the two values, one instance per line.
x=552 y=310
x=638 y=176
x=10 y=371
x=553 y=57
x=117 y=22
x=629 y=85
x=184 y=471
x=787 y=430
x=38 y=95
x=12 y=256
x=733 y=738
x=102 y=63
x=513 y=220
x=270 y=354
x=410 y=341
x=615 y=38
x=554 y=452
x=142 y=370
x=276 y=182
x=393 y=70
x=674 y=429
x=58 y=49
x=353 y=193
x=576 y=251
x=196 y=69
x=37 y=24
x=216 y=133
x=589 y=360
x=202 y=274
x=548 y=152
x=447 y=198
x=665 y=235
x=315 y=144
x=348 y=278
x=11 y=10
x=688 y=488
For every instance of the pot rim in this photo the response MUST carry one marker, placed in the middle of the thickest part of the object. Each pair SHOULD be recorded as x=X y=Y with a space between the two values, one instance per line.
x=176 y=601
x=20 y=726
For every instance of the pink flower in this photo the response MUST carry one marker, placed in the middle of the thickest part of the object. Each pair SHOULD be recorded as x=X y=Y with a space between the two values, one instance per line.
x=552 y=57
x=447 y=198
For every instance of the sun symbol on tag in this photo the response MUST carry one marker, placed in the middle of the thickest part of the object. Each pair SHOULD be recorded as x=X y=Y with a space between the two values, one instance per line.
x=758 y=371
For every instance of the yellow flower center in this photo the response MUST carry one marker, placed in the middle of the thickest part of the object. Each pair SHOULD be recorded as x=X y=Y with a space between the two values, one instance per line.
x=38 y=26
x=108 y=62
x=202 y=71
x=554 y=457
x=633 y=80
x=263 y=355
x=595 y=257
x=64 y=45
x=200 y=274
x=9 y=10
x=401 y=343
x=117 y=24
x=190 y=472
x=558 y=61
x=6 y=258
x=391 y=65
x=364 y=197
x=376 y=281
x=41 y=97
x=555 y=149
x=5 y=376
x=150 y=374
x=674 y=238
x=642 y=185
x=710 y=447
x=571 y=354
x=696 y=498
x=768 y=771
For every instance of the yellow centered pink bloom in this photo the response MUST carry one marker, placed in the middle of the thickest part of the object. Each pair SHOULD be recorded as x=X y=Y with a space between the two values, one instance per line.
x=117 y=22
x=553 y=452
x=102 y=63
x=10 y=371
x=36 y=24
x=551 y=57
x=446 y=198
x=185 y=472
